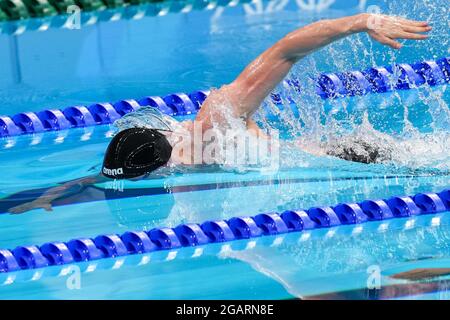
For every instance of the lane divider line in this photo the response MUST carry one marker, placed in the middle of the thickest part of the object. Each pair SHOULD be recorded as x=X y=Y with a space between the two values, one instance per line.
x=192 y=234
x=329 y=86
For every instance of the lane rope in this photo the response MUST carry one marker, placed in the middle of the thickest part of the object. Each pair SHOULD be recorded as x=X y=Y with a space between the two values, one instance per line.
x=328 y=86
x=236 y=228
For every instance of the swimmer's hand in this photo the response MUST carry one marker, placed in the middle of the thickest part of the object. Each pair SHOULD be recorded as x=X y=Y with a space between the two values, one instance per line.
x=36 y=204
x=386 y=29
x=422 y=274
x=45 y=200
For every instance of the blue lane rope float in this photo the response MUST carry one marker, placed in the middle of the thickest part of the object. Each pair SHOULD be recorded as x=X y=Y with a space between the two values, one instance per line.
x=213 y=249
x=329 y=86
x=384 y=79
x=192 y=234
x=176 y=104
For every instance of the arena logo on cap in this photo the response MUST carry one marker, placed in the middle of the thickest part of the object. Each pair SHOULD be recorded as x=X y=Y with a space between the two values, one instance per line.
x=112 y=172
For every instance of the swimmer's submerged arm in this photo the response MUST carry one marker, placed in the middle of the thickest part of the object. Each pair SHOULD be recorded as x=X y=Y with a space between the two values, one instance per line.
x=45 y=200
x=259 y=78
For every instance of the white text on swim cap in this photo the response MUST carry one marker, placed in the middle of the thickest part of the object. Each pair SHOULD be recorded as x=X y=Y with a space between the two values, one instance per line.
x=113 y=172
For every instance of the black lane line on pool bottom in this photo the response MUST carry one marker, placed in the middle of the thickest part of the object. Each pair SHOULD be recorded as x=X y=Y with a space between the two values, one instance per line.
x=93 y=193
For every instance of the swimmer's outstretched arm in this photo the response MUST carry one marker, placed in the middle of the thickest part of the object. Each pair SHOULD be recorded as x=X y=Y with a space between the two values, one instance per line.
x=52 y=194
x=257 y=81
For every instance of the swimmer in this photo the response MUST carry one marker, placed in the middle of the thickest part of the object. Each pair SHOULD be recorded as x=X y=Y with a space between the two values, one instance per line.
x=136 y=152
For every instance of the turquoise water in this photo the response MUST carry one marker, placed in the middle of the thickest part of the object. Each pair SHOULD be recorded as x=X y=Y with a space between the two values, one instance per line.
x=121 y=59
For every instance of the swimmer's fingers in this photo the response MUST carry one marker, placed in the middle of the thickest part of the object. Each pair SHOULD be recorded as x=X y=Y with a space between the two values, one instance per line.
x=20 y=209
x=16 y=210
x=413 y=23
x=385 y=40
x=47 y=207
x=415 y=29
x=422 y=274
x=411 y=36
x=30 y=206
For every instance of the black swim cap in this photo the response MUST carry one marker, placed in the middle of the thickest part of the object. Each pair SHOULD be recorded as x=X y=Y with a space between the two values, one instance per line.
x=134 y=152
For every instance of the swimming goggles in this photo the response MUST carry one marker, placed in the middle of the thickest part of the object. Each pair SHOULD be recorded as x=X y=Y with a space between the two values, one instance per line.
x=146 y=117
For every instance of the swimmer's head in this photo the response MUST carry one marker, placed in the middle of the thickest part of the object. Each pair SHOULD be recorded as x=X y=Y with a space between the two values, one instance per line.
x=135 y=152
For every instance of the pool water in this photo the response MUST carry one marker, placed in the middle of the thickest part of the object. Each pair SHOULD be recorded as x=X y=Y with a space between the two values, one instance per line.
x=156 y=55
